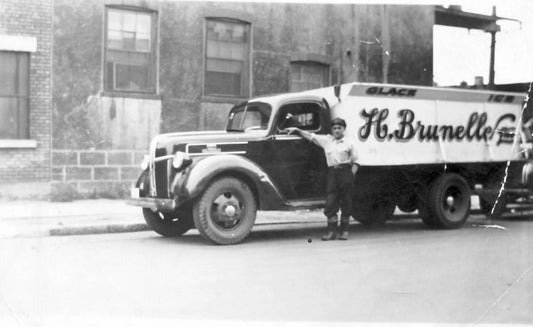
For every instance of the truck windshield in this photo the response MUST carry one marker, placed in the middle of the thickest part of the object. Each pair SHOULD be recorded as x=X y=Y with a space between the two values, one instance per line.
x=249 y=116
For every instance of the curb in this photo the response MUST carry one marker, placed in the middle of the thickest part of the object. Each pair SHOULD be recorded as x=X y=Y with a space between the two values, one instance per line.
x=136 y=227
x=99 y=229
x=141 y=227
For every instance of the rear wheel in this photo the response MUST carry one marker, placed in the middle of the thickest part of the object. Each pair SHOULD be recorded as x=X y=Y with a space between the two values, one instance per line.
x=449 y=201
x=225 y=213
x=373 y=212
x=167 y=224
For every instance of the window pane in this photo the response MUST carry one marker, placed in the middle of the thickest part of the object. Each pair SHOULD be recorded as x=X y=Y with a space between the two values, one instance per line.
x=8 y=118
x=226 y=58
x=114 y=39
x=143 y=24
x=131 y=78
x=23 y=74
x=143 y=42
x=130 y=20
x=110 y=76
x=23 y=118
x=224 y=50
x=132 y=69
x=8 y=73
x=128 y=41
x=238 y=35
x=219 y=65
x=238 y=51
x=308 y=75
x=114 y=18
x=212 y=49
x=221 y=32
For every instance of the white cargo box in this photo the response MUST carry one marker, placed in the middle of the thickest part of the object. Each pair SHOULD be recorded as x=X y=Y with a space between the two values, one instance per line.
x=404 y=125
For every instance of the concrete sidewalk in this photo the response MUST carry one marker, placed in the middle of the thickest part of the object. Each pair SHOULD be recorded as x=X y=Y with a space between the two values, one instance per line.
x=22 y=218
x=41 y=218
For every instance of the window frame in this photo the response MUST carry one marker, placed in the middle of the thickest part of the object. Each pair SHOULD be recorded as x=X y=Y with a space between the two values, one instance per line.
x=152 y=56
x=315 y=108
x=310 y=63
x=246 y=72
x=23 y=129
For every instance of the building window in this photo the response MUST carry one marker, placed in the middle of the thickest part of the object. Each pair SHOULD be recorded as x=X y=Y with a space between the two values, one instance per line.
x=14 y=91
x=227 y=58
x=130 y=51
x=308 y=76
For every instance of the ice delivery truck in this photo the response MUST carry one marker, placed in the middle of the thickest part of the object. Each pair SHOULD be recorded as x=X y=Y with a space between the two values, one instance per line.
x=420 y=148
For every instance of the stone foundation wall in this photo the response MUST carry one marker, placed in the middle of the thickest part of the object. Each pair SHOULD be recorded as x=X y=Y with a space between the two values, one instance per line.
x=95 y=173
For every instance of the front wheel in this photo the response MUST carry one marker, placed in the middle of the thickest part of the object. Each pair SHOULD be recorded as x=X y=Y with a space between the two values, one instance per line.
x=166 y=224
x=225 y=212
x=449 y=201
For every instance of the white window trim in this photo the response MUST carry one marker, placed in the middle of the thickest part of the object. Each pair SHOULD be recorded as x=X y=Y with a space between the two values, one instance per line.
x=18 y=43
x=249 y=59
x=17 y=144
x=154 y=51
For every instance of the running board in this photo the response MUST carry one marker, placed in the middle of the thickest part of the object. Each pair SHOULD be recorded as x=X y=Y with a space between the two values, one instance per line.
x=519 y=191
x=306 y=204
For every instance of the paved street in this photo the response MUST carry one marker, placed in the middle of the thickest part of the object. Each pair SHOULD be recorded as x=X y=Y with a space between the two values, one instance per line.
x=402 y=273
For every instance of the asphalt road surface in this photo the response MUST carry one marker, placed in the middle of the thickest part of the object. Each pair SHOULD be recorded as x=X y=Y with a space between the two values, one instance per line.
x=283 y=274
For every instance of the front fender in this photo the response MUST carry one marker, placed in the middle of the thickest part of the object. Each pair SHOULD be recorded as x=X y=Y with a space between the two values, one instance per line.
x=194 y=180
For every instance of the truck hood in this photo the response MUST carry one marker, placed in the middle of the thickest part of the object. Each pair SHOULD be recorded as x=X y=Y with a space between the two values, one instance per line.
x=167 y=144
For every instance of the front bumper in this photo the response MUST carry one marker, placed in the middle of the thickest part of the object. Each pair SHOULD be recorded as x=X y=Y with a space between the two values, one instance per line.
x=155 y=204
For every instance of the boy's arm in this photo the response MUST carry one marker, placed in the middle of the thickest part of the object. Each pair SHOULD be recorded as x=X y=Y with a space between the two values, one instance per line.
x=355 y=167
x=354 y=157
x=305 y=134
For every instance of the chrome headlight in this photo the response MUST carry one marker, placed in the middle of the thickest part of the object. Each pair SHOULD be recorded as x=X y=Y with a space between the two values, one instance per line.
x=145 y=162
x=180 y=160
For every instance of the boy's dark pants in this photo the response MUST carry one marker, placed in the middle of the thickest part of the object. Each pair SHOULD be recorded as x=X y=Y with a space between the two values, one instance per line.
x=339 y=195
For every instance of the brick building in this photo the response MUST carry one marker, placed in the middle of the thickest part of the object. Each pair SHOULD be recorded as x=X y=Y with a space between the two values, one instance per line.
x=126 y=70
x=25 y=97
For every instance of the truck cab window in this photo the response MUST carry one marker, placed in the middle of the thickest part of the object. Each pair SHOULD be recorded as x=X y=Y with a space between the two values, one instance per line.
x=305 y=116
x=249 y=116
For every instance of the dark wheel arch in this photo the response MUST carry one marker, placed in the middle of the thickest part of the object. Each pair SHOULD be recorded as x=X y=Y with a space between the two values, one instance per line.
x=168 y=224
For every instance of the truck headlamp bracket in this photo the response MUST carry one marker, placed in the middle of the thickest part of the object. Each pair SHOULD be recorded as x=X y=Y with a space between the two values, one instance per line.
x=181 y=160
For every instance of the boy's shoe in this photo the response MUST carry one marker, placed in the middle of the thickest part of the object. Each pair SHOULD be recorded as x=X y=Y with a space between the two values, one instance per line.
x=343 y=236
x=329 y=236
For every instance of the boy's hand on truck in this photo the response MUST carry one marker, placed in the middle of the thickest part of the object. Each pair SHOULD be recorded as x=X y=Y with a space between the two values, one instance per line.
x=292 y=130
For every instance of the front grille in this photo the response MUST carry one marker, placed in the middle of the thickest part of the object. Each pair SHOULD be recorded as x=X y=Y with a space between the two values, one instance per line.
x=162 y=169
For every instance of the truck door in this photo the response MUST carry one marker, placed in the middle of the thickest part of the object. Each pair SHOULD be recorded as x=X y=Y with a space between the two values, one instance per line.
x=297 y=166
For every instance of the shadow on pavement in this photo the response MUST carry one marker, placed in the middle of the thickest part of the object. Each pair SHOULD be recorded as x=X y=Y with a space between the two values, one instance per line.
x=313 y=231
x=302 y=231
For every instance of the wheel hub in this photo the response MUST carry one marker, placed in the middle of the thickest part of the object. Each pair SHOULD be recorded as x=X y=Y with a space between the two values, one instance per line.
x=230 y=211
x=226 y=210
x=453 y=201
x=450 y=203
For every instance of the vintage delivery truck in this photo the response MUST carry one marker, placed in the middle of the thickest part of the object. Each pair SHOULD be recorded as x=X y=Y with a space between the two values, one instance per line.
x=420 y=148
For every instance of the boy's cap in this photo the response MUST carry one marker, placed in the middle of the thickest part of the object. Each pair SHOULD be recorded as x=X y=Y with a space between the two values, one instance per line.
x=338 y=121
